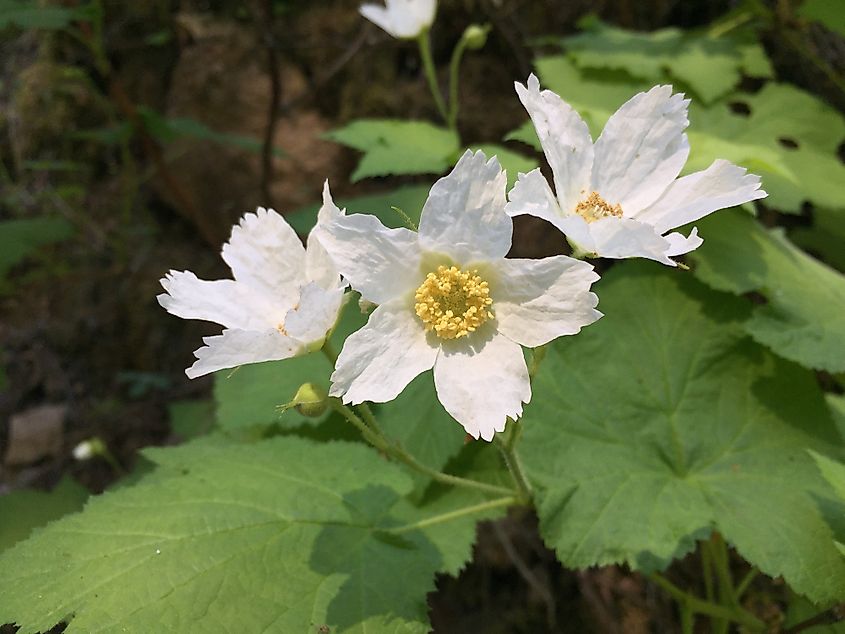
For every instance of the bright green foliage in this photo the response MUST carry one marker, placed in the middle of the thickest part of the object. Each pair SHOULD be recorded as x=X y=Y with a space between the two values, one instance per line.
x=19 y=238
x=800 y=609
x=22 y=511
x=796 y=156
x=802 y=319
x=828 y=12
x=191 y=418
x=834 y=472
x=29 y=14
x=709 y=66
x=394 y=146
x=251 y=394
x=663 y=422
x=512 y=162
x=409 y=199
x=418 y=421
x=285 y=535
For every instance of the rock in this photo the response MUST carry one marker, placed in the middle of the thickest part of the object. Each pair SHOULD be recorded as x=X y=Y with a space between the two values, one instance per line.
x=35 y=433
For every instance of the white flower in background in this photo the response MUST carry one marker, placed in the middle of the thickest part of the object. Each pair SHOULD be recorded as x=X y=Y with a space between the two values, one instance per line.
x=448 y=299
x=282 y=303
x=618 y=198
x=404 y=19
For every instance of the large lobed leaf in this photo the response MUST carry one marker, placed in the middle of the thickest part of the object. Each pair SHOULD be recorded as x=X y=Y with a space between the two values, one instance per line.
x=285 y=535
x=395 y=146
x=663 y=422
x=802 y=318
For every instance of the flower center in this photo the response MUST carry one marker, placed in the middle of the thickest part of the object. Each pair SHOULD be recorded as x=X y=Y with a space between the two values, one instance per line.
x=452 y=302
x=594 y=207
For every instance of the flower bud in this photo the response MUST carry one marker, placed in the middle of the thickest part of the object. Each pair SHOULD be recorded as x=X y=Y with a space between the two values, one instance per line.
x=311 y=400
x=475 y=36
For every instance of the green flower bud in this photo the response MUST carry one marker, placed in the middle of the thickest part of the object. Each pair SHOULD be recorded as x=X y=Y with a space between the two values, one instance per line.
x=475 y=36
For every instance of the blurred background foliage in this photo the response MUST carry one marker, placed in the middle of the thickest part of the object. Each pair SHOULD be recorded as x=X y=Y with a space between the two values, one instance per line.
x=133 y=134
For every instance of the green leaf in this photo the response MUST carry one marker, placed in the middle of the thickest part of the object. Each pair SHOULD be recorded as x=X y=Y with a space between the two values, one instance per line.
x=284 y=535
x=710 y=66
x=191 y=418
x=663 y=422
x=825 y=237
x=512 y=162
x=19 y=238
x=833 y=472
x=24 y=510
x=828 y=12
x=395 y=146
x=409 y=199
x=418 y=421
x=802 y=319
x=29 y=14
x=249 y=396
x=800 y=609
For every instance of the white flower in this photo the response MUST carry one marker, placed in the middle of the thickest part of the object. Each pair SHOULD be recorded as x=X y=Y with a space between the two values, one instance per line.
x=84 y=450
x=448 y=299
x=618 y=197
x=404 y=19
x=282 y=303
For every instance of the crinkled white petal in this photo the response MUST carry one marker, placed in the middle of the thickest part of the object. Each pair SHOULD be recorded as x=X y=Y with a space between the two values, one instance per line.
x=565 y=139
x=378 y=262
x=692 y=197
x=238 y=347
x=264 y=252
x=401 y=18
x=678 y=244
x=531 y=195
x=464 y=215
x=482 y=382
x=577 y=232
x=319 y=267
x=226 y=302
x=641 y=149
x=536 y=301
x=380 y=359
x=626 y=238
x=314 y=315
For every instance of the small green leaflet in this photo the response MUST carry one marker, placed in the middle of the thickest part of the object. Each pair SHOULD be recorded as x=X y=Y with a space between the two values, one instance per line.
x=284 y=535
x=709 y=66
x=19 y=238
x=802 y=319
x=663 y=422
x=395 y=146
x=22 y=511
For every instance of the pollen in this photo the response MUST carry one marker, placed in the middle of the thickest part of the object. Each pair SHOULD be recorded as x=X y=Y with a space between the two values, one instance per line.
x=453 y=303
x=594 y=207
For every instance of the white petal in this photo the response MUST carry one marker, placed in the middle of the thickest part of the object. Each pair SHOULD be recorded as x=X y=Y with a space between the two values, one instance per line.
x=692 y=197
x=379 y=16
x=577 y=232
x=380 y=359
x=626 y=238
x=565 y=139
x=483 y=382
x=319 y=267
x=314 y=315
x=532 y=195
x=401 y=18
x=225 y=302
x=536 y=301
x=238 y=347
x=265 y=252
x=678 y=244
x=378 y=262
x=641 y=149
x=464 y=215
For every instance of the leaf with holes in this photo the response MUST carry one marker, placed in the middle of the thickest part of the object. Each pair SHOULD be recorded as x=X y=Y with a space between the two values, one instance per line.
x=284 y=535
x=663 y=422
x=802 y=318
x=395 y=146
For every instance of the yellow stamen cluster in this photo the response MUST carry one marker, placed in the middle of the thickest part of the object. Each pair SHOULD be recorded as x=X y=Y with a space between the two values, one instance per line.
x=452 y=302
x=594 y=207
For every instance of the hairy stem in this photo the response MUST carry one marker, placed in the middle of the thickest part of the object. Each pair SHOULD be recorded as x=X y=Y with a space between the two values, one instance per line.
x=515 y=469
x=446 y=517
x=424 y=44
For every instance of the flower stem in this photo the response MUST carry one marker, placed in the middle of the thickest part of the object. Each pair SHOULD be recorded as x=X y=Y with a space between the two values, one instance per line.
x=700 y=606
x=513 y=465
x=424 y=43
x=381 y=443
x=445 y=517
x=454 y=72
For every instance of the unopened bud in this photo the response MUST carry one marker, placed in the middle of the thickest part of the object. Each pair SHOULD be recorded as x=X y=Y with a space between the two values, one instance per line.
x=87 y=449
x=475 y=36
